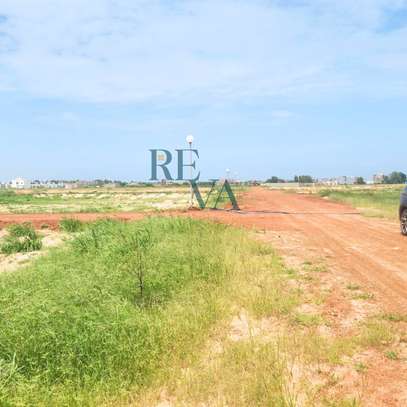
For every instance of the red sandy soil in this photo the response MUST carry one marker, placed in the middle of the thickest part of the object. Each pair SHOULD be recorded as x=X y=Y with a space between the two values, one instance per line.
x=369 y=251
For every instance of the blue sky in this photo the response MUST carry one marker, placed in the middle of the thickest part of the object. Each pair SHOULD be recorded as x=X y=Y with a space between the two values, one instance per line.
x=266 y=87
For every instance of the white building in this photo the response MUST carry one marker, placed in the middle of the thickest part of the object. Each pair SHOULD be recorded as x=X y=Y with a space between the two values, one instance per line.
x=20 y=183
x=378 y=179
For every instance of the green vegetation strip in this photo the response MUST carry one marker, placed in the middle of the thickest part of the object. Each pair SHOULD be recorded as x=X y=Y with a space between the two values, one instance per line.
x=102 y=315
x=379 y=203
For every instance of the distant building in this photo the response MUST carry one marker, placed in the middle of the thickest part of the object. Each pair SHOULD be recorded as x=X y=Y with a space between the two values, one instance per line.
x=47 y=184
x=328 y=181
x=71 y=185
x=54 y=184
x=20 y=183
x=378 y=178
x=344 y=180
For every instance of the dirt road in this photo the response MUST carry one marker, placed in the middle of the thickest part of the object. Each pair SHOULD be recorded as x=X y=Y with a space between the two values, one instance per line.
x=368 y=251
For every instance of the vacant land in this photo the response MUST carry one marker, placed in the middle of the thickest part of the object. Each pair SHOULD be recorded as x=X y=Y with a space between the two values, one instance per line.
x=171 y=311
x=108 y=200
x=371 y=200
x=94 y=200
x=222 y=320
x=107 y=314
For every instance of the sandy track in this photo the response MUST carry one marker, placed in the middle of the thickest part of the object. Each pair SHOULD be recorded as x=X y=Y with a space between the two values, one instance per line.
x=368 y=251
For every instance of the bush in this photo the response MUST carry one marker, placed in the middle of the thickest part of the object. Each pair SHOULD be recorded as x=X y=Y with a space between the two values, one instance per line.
x=71 y=225
x=21 y=239
x=75 y=322
x=22 y=230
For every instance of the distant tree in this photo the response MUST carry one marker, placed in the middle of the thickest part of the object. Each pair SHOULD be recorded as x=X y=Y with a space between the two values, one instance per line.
x=360 y=181
x=296 y=178
x=305 y=179
x=275 y=180
x=395 y=178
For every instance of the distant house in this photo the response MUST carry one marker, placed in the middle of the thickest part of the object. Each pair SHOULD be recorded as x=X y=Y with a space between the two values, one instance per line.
x=71 y=185
x=54 y=184
x=37 y=184
x=378 y=179
x=20 y=183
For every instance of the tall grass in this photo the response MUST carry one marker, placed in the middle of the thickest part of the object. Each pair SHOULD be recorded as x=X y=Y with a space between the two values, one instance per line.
x=71 y=225
x=75 y=327
x=372 y=202
x=21 y=239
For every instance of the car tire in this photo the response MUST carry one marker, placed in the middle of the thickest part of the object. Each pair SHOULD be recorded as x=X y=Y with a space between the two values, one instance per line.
x=403 y=222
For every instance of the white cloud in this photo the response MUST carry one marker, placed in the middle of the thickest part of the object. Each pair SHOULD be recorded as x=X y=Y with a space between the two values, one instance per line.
x=136 y=51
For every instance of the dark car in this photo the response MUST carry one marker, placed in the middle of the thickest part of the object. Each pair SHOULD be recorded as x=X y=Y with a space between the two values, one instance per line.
x=403 y=212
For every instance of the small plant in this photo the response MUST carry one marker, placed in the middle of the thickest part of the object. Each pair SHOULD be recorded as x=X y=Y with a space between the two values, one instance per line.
x=363 y=296
x=376 y=333
x=391 y=355
x=395 y=317
x=360 y=367
x=308 y=320
x=71 y=225
x=21 y=239
x=140 y=243
x=353 y=287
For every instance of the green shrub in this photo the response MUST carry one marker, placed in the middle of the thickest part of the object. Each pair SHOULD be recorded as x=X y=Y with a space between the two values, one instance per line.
x=22 y=230
x=71 y=225
x=21 y=239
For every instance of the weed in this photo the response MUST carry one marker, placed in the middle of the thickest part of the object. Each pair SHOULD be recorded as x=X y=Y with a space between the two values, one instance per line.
x=21 y=230
x=376 y=333
x=392 y=355
x=360 y=367
x=308 y=320
x=71 y=225
x=363 y=296
x=353 y=287
x=246 y=374
x=21 y=239
x=321 y=268
x=395 y=317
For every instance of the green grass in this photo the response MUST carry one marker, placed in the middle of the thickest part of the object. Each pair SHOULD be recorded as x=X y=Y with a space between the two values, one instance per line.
x=372 y=202
x=71 y=225
x=74 y=327
x=21 y=239
x=392 y=355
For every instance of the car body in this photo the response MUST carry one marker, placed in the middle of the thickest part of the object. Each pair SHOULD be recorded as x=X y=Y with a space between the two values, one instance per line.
x=403 y=212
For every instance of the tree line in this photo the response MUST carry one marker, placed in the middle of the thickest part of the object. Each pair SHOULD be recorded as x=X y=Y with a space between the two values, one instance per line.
x=396 y=177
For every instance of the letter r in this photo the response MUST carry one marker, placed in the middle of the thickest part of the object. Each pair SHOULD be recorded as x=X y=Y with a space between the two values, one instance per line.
x=155 y=165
